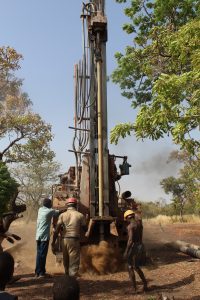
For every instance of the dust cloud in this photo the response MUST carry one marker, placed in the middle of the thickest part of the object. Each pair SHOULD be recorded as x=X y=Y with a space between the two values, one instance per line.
x=99 y=259
x=24 y=252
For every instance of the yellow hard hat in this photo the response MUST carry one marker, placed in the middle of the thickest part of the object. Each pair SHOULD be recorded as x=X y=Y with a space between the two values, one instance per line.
x=128 y=213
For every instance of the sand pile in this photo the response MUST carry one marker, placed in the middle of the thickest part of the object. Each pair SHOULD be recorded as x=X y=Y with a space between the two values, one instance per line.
x=103 y=258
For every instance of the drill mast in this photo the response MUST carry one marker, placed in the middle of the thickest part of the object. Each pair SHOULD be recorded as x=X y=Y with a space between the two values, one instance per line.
x=91 y=106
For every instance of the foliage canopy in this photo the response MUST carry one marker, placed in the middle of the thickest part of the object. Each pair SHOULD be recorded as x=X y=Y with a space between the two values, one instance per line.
x=8 y=188
x=160 y=71
x=23 y=133
x=35 y=179
x=185 y=189
x=24 y=136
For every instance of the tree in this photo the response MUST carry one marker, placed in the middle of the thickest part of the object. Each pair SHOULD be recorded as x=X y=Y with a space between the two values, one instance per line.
x=185 y=189
x=9 y=60
x=189 y=173
x=8 y=188
x=24 y=134
x=9 y=63
x=177 y=188
x=160 y=72
x=35 y=179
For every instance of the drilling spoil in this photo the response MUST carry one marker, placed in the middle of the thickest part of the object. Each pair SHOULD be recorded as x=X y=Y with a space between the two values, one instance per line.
x=100 y=259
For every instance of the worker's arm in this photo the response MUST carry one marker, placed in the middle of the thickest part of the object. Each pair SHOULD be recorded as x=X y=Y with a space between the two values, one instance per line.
x=130 y=240
x=61 y=211
x=56 y=232
x=56 y=213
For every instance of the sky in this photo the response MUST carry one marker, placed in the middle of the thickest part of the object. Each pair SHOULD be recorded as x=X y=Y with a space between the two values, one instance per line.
x=49 y=36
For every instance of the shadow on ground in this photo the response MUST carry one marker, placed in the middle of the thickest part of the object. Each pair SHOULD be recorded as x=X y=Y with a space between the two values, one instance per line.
x=118 y=288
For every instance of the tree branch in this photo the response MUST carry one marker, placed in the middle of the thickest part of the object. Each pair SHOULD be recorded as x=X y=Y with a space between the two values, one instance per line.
x=145 y=9
x=12 y=143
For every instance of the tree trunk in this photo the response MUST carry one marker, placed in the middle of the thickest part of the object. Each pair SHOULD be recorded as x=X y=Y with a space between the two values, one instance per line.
x=181 y=209
x=181 y=214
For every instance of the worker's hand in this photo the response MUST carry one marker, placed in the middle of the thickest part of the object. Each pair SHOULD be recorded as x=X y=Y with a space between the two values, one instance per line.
x=87 y=234
x=53 y=248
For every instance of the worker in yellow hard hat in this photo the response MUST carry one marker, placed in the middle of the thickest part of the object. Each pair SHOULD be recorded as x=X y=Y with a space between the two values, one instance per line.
x=134 y=248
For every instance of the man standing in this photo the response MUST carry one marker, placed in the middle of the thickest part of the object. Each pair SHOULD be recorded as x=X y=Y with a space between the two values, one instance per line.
x=45 y=214
x=71 y=223
x=134 y=248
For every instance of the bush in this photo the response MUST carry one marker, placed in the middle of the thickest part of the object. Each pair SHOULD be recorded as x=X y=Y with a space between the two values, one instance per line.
x=8 y=188
x=162 y=219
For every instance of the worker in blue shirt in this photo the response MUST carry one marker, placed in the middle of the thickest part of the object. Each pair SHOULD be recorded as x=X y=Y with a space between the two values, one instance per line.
x=45 y=214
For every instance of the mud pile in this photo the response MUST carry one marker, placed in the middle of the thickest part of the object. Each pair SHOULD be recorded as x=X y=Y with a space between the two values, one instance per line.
x=100 y=259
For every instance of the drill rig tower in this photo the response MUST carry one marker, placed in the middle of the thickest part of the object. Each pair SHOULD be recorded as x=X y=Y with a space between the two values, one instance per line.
x=93 y=178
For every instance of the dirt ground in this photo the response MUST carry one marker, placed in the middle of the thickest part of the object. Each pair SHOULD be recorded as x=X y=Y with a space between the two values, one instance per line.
x=168 y=272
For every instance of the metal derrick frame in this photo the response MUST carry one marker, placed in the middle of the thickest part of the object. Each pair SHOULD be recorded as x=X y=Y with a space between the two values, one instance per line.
x=90 y=121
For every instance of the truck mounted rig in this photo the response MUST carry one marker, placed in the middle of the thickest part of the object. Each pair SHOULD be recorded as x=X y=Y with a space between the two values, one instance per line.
x=93 y=178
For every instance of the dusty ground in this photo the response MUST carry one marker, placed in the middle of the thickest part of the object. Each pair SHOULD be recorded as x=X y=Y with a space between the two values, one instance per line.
x=168 y=273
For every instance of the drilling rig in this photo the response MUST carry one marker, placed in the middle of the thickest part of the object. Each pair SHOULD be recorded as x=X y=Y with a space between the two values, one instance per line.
x=93 y=178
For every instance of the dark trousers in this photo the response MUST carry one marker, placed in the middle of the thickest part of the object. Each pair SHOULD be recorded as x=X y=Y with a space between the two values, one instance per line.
x=42 y=249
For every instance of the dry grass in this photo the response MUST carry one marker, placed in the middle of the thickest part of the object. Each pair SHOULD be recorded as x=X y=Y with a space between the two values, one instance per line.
x=162 y=219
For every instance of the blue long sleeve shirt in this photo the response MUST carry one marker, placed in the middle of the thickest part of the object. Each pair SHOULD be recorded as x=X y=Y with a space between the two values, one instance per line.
x=44 y=223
